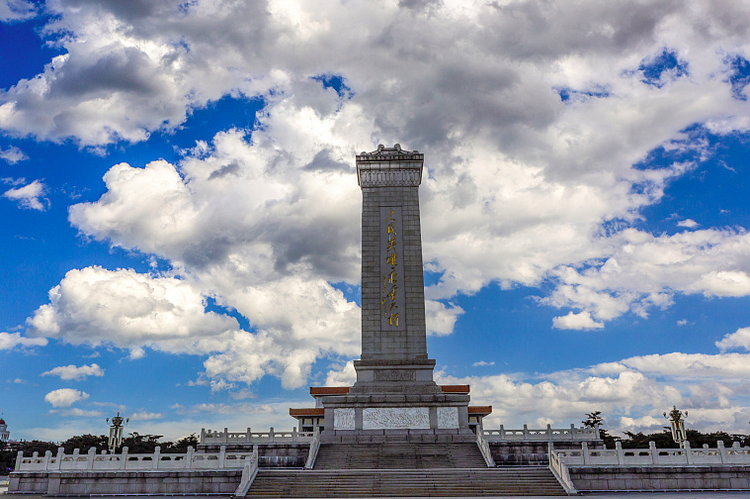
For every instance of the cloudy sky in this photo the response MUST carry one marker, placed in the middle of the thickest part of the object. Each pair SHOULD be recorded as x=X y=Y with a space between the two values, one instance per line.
x=180 y=213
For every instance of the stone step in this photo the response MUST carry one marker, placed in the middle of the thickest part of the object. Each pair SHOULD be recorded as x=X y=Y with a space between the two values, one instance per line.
x=405 y=483
x=398 y=456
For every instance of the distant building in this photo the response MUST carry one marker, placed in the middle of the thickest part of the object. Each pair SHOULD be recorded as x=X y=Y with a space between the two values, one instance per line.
x=4 y=433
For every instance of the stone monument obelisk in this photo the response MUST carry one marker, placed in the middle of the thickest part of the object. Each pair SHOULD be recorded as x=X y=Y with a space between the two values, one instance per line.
x=395 y=389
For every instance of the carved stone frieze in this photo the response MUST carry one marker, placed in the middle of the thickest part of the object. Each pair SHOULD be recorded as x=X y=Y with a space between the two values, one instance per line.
x=396 y=418
x=447 y=417
x=395 y=375
x=343 y=419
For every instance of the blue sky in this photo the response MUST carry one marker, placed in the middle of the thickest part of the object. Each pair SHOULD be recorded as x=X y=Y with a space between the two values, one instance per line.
x=180 y=212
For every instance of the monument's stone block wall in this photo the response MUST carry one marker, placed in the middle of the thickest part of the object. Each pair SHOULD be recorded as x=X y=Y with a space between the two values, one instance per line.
x=270 y=455
x=653 y=478
x=82 y=483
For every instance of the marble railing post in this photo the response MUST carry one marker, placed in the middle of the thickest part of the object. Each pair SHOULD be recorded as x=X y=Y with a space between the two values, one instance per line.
x=60 y=456
x=124 y=458
x=203 y=435
x=226 y=435
x=157 y=457
x=549 y=432
x=525 y=432
x=47 y=458
x=271 y=434
x=502 y=432
x=620 y=453
x=722 y=451
x=688 y=452
x=585 y=453
x=249 y=436
x=294 y=434
x=91 y=458
x=653 y=452
x=19 y=460
x=189 y=457
x=222 y=455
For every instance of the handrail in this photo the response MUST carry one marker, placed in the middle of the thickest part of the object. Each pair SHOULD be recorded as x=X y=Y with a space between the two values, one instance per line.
x=561 y=472
x=249 y=472
x=540 y=434
x=270 y=436
x=78 y=461
x=313 y=453
x=653 y=456
x=484 y=448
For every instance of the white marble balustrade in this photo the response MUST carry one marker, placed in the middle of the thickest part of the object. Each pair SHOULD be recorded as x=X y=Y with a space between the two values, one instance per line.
x=701 y=456
x=540 y=435
x=78 y=461
x=271 y=436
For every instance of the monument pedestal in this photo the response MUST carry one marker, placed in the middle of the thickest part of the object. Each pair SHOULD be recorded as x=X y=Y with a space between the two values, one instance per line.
x=397 y=401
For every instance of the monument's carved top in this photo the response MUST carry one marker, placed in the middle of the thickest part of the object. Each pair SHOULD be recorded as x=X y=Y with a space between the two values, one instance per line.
x=389 y=153
x=389 y=166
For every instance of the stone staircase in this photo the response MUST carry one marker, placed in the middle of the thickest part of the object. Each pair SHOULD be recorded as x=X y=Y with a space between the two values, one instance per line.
x=470 y=482
x=399 y=456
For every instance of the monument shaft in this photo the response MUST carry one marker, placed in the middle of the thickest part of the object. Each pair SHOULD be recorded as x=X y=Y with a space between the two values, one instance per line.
x=393 y=313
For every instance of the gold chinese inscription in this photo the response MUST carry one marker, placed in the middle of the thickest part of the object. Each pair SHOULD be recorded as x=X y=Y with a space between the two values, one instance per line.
x=392 y=296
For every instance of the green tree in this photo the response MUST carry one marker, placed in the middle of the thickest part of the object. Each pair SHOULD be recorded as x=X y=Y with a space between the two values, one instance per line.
x=146 y=444
x=594 y=420
x=85 y=442
x=182 y=444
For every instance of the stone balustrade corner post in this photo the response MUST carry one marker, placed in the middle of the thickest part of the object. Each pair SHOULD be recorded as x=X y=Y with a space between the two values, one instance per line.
x=19 y=460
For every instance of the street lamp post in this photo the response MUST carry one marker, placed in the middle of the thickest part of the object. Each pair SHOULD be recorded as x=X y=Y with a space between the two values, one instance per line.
x=115 y=432
x=676 y=419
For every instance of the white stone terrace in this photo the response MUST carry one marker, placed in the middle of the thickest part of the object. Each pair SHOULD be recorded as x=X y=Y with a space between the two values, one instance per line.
x=549 y=434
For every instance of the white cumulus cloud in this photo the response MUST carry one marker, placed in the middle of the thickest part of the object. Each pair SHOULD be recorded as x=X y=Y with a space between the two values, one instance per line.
x=65 y=397
x=736 y=340
x=72 y=372
x=30 y=196
x=580 y=320
x=12 y=340
x=12 y=155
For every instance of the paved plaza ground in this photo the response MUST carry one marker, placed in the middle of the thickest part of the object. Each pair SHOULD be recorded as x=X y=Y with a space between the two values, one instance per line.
x=613 y=495
x=610 y=495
